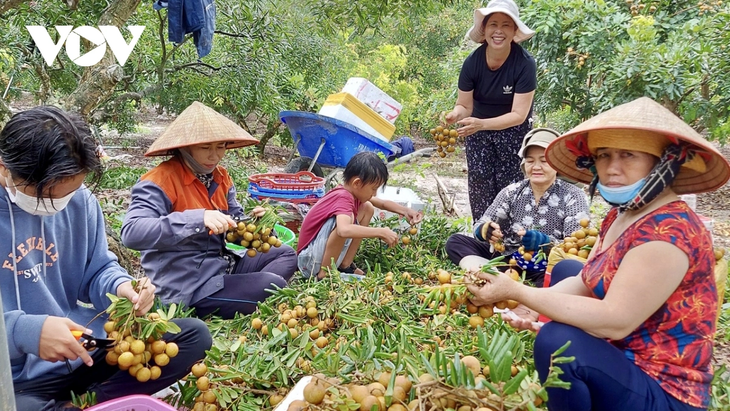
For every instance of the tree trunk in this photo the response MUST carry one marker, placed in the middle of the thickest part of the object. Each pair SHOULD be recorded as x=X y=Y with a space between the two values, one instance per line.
x=6 y=5
x=98 y=81
x=5 y=114
x=271 y=130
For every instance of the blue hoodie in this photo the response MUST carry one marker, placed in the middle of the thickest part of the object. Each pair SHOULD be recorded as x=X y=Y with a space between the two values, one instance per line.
x=64 y=268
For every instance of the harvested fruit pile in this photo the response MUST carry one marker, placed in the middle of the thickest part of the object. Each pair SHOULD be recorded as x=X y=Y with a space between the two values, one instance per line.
x=580 y=242
x=137 y=344
x=358 y=334
x=408 y=321
x=445 y=140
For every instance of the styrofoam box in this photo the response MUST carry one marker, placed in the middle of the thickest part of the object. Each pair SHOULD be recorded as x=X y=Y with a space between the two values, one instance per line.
x=296 y=393
x=401 y=195
x=374 y=97
x=345 y=107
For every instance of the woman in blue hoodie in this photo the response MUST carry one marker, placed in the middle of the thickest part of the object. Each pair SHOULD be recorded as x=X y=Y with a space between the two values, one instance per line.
x=58 y=268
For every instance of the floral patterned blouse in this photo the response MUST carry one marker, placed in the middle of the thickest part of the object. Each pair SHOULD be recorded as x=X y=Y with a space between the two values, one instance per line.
x=557 y=214
x=674 y=345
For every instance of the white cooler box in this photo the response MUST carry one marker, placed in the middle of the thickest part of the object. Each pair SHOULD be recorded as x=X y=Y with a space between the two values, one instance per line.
x=401 y=195
x=373 y=97
x=345 y=107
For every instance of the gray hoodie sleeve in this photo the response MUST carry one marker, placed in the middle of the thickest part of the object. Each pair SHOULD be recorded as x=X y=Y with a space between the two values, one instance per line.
x=149 y=224
x=23 y=333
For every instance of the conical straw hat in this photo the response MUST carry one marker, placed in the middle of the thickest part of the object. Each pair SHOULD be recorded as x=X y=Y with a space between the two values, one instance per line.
x=637 y=126
x=200 y=124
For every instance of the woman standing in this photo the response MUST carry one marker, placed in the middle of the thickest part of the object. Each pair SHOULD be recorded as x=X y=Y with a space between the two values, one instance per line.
x=641 y=315
x=179 y=215
x=496 y=88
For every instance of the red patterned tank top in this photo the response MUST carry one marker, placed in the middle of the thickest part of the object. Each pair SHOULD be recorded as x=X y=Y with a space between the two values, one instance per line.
x=674 y=345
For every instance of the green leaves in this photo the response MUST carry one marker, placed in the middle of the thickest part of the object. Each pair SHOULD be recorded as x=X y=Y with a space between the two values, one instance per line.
x=121 y=311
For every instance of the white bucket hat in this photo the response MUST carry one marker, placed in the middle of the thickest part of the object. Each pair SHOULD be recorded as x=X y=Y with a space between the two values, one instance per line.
x=507 y=7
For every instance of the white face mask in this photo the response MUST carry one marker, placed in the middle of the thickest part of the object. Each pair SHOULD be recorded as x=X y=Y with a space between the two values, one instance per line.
x=42 y=207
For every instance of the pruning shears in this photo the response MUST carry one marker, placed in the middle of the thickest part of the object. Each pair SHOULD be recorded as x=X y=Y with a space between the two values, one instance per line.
x=91 y=343
x=237 y=219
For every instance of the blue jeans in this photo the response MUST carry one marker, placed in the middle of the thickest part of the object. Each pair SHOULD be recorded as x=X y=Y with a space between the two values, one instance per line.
x=601 y=376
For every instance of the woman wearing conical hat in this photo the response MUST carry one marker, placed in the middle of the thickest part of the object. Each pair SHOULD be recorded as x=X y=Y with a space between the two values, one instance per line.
x=641 y=315
x=180 y=212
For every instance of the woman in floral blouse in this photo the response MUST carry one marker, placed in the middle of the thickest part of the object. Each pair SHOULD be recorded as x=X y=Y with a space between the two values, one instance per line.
x=641 y=316
x=533 y=213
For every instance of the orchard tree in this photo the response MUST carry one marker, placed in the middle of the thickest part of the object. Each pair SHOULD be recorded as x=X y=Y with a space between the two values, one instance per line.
x=593 y=55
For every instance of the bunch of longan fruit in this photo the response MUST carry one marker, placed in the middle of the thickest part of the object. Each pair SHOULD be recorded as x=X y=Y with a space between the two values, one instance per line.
x=206 y=401
x=257 y=238
x=445 y=140
x=479 y=313
x=581 y=241
x=300 y=319
x=143 y=358
x=406 y=238
x=329 y=393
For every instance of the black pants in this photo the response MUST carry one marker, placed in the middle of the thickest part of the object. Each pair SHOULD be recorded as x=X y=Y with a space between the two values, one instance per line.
x=459 y=246
x=493 y=163
x=249 y=283
x=109 y=382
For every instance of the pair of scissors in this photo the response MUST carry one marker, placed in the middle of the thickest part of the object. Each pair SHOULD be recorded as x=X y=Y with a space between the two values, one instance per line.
x=89 y=343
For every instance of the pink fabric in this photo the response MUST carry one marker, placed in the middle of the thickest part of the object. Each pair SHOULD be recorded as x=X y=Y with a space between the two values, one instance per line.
x=336 y=202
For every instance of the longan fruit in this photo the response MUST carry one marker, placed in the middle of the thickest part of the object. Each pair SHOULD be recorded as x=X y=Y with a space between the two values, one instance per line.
x=171 y=350
x=161 y=359
x=199 y=369
x=203 y=383
x=110 y=326
x=486 y=311
x=476 y=321
x=144 y=374
x=155 y=372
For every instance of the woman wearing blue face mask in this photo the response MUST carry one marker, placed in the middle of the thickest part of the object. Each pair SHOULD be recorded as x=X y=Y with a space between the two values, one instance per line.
x=55 y=255
x=641 y=315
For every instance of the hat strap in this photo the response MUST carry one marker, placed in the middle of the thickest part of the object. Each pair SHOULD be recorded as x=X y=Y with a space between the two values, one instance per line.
x=660 y=177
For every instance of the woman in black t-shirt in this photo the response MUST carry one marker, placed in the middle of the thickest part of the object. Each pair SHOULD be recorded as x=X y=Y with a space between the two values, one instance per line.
x=496 y=89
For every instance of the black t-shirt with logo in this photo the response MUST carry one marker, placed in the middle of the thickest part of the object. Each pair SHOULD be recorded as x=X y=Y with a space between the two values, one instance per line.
x=494 y=90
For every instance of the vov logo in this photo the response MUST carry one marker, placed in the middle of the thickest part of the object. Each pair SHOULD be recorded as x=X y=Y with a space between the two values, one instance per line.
x=71 y=37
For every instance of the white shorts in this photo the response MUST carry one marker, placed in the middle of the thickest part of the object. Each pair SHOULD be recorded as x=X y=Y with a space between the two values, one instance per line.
x=310 y=259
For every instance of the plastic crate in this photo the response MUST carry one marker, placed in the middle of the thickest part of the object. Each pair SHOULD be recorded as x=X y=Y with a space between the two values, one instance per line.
x=284 y=182
x=133 y=403
x=302 y=187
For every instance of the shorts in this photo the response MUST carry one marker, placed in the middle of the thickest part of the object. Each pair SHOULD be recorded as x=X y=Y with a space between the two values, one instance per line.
x=309 y=260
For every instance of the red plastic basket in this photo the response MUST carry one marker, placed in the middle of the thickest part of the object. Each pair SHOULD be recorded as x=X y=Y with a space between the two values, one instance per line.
x=300 y=181
x=133 y=403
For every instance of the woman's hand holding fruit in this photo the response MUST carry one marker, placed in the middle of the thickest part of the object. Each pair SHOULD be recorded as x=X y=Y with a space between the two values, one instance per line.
x=217 y=222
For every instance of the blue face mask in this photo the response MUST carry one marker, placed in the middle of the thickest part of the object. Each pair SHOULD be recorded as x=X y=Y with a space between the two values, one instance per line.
x=620 y=195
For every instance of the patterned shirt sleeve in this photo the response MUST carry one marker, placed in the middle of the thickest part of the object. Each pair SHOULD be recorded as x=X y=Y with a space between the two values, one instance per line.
x=499 y=210
x=575 y=206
